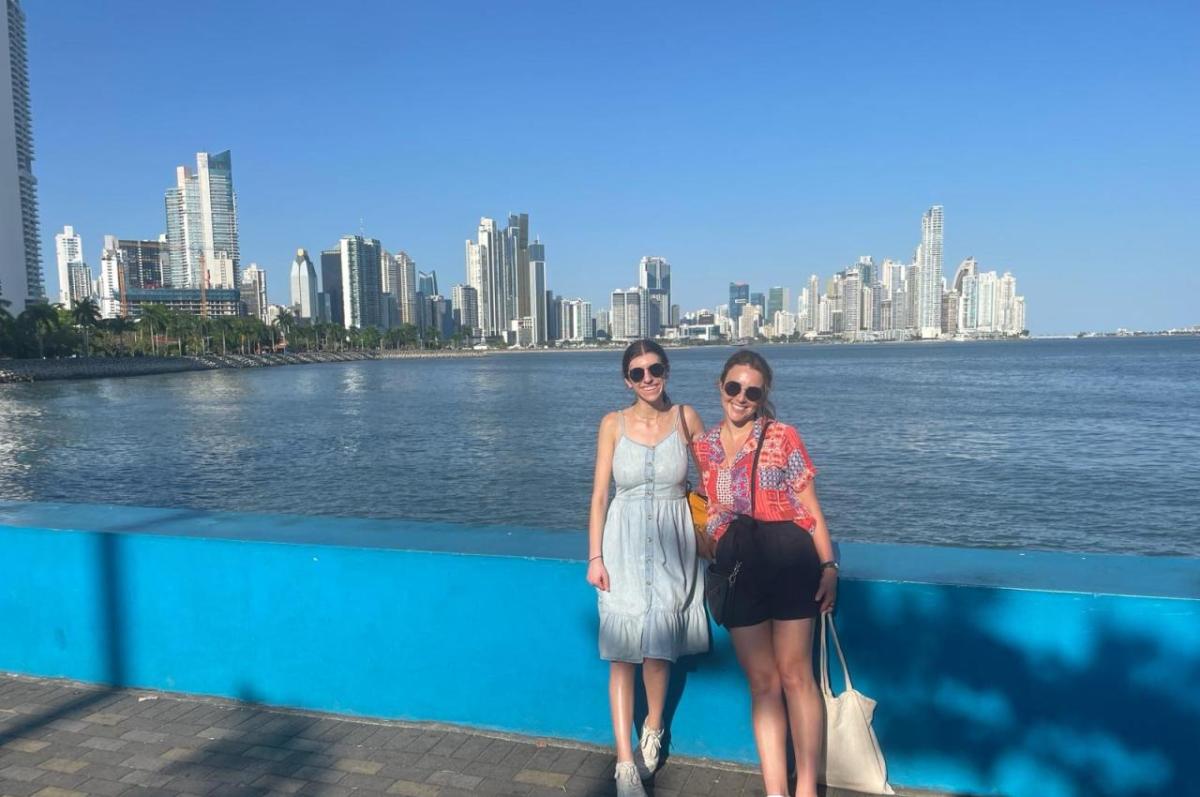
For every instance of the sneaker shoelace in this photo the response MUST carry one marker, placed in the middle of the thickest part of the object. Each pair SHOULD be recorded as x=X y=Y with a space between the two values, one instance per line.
x=651 y=743
x=627 y=773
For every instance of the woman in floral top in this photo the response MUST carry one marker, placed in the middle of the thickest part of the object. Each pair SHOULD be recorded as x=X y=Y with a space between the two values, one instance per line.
x=788 y=574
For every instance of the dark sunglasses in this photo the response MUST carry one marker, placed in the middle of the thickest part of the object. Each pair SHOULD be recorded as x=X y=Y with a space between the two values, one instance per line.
x=638 y=374
x=752 y=393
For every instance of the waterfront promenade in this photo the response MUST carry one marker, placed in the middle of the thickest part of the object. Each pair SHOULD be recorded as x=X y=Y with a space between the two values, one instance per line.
x=66 y=739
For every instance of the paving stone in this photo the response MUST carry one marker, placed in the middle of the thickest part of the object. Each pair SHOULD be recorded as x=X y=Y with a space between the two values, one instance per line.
x=104 y=718
x=144 y=778
x=318 y=774
x=64 y=780
x=103 y=788
x=537 y=777
x=20 y=773
x=454 y=780
x=67 y=725
x=367 y=782
x=26 y=745
x=103 y=743
x=358 y=766
x=68 y=765
x=148 y=763
x=324 y=790
x=217 y=732
x=55 y=791
x=279 y=784
x=584 y=785
x=149 y=737
x=410 y=789
x=267 y=753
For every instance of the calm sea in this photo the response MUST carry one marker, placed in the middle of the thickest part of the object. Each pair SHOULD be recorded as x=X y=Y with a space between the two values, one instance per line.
x=1089 y=445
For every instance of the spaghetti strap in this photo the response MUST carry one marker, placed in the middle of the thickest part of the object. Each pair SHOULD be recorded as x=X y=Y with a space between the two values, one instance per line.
x=621 y=416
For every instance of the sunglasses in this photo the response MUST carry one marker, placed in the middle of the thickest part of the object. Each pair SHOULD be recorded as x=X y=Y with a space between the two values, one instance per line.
x=638 y=374
x=732 y=389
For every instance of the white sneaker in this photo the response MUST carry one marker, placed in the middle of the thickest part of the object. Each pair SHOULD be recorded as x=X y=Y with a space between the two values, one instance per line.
x=651 y=747
x=628 y=782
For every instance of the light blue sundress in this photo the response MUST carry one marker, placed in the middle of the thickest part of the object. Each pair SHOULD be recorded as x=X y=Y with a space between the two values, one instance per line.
x=654 y=608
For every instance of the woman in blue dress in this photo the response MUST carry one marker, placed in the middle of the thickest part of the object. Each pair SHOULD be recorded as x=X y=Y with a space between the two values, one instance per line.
x=642 y=553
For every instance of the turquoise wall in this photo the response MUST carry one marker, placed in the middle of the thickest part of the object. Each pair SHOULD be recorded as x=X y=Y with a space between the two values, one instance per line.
x=982 y=688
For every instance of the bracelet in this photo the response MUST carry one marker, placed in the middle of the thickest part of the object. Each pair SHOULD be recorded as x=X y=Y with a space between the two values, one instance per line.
x=830 y=565
x=597 y=556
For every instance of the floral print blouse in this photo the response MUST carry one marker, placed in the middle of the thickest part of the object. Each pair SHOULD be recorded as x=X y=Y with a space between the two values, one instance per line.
x=784 y=471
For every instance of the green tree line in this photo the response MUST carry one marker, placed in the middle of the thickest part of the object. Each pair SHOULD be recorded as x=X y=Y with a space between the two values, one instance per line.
x=50 y=330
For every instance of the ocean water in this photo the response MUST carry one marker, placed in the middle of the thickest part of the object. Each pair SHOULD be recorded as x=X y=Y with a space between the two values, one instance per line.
x=1079 y=445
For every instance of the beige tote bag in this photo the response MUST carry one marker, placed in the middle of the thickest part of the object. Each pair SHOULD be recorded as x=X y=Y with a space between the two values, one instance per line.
x=852 y=758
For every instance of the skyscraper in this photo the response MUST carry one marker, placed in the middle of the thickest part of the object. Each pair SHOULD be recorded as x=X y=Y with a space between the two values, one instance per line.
x=931 y=273
x=143 y=261
x=331 y=285
x=361 y=281
x=464 y=304
x=68 y=250
x=778 y=299
x=111 y=285
x=739 y=297
x=483 y=274
x=20 y=253
x=627 y=321
x=304 y=287
x=406 y=298
x=202 y=229
x=254 y=292
x=536 y=290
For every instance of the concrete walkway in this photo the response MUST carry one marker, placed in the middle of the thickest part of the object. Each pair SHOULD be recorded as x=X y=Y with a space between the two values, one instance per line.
x=65 y=739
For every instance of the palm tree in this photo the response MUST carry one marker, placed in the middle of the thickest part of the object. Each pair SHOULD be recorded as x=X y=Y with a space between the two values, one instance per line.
x=39 y=319
x=285 y=321
x=119 y=326
x=86 y=315
x=155 y=317
x=8 y=331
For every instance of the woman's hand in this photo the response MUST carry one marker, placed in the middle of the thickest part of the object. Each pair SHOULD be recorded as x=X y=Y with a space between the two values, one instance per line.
x=827 y=592
x=597 y=574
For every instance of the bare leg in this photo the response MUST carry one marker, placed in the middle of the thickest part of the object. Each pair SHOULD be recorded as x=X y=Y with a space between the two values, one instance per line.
x=806 y=711
x=620 y=700
x=756 y=653
x=656 y=674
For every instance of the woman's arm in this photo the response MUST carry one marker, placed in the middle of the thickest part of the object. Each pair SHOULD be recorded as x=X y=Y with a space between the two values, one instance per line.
x=606 y=443
x=827 y=592
x=693 y=427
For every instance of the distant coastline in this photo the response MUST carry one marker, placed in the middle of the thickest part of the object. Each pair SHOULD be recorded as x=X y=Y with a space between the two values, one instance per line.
x=31 y=370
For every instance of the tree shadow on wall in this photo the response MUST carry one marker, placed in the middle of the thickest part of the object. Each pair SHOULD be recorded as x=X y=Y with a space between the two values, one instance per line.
x=966 y=681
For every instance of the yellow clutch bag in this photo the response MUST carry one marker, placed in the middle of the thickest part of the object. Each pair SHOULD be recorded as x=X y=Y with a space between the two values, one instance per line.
x=698 y=504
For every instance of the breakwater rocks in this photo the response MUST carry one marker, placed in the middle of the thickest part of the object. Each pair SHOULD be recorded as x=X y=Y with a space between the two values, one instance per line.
x=101 y=367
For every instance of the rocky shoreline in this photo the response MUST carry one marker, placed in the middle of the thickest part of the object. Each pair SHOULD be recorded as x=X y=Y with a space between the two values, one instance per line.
x=104 y=367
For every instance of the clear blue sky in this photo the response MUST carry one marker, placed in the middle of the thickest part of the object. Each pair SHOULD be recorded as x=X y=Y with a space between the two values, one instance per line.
x=757 y=142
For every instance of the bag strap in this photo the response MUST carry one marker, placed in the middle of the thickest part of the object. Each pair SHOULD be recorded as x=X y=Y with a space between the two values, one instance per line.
x=754 y=467
x=681 y=423
x=827 y=620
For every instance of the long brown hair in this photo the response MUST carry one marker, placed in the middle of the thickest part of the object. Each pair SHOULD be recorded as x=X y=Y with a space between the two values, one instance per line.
x=637 y=349
x=754 y=360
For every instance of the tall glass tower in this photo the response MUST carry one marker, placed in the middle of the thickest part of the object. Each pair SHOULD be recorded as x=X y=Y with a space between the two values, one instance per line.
x=202 y=229
x=20 y=256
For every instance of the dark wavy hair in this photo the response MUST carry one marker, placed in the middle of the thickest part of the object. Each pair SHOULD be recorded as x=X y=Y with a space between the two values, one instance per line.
x=754 y=360
x=637 y=349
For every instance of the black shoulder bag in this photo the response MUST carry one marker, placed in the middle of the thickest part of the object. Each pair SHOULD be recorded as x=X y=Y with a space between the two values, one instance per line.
x=721 y=576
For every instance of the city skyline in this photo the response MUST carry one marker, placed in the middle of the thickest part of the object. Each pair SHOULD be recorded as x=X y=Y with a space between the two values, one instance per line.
x=803 y=168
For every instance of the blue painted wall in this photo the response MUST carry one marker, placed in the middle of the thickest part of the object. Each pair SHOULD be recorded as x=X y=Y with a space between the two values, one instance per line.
x=981 y=689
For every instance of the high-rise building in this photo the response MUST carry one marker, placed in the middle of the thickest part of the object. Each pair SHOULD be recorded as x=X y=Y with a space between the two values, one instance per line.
x=629 y=311
x=362 y=280
x=427 y=283
x=464 y=306
x=68 y=250
x=778 y=298
x=331 y=285
x=254 y=292
x=202 y=228
x=304 y=287
x=739 y=297
x=516 y=267
x=111 y=285
x=483 y=274
x=577 y=324
x=654 y=275
x=538 y=311
x=931 y=273
x=20 y=252
x=143 y=261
